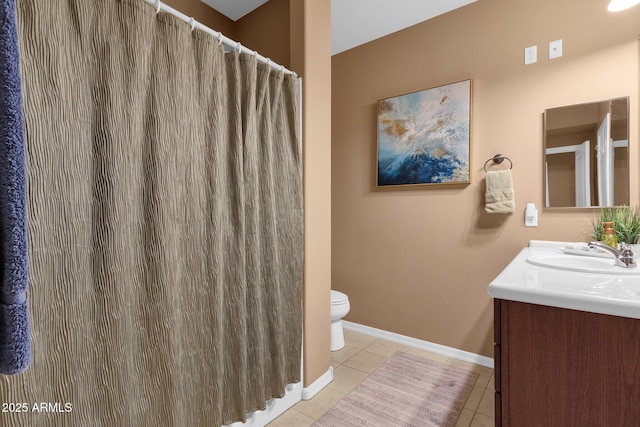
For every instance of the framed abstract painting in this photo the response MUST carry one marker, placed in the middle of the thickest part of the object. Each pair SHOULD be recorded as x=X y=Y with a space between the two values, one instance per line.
x=424 y=137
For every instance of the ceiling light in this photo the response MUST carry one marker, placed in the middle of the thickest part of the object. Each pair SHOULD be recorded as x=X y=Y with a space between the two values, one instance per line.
x=618 y=5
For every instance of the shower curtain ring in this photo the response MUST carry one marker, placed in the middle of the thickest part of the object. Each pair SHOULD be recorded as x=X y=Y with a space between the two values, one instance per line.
x=158 y=4
x=192 y=22
x=239 y=47
x=219 y=37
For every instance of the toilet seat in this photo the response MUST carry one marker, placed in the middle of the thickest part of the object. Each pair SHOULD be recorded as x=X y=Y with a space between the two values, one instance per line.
x=338 y=298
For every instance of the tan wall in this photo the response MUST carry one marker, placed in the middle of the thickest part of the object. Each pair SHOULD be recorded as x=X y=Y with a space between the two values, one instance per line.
x=311 y=58
x=417 y=261
x=266 y=30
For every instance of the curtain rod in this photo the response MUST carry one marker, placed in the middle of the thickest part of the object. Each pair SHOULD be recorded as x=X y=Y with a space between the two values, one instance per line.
x=234 y=45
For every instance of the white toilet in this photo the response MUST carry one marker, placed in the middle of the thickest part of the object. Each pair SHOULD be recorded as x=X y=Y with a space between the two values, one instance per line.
x=339 y=308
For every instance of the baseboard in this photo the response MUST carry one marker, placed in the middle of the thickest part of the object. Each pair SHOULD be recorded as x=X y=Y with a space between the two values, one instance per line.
x=317 y=385
x=420 y=344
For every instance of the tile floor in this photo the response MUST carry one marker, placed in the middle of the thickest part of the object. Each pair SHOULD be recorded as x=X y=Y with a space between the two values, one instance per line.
x=361 y=356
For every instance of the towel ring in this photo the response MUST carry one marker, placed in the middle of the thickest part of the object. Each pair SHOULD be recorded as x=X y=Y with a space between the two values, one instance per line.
x=497 y=159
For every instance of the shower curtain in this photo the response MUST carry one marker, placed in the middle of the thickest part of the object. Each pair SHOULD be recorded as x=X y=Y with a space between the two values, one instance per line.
x=164 y=221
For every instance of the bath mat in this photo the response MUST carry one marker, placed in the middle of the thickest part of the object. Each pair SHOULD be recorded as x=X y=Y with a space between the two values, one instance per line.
x=407 y=390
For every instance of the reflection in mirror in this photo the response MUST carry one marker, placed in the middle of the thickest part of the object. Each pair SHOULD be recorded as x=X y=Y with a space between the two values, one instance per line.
x=587 y=154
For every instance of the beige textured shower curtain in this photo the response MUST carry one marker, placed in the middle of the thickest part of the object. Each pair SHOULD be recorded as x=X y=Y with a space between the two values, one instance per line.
x=165 y=221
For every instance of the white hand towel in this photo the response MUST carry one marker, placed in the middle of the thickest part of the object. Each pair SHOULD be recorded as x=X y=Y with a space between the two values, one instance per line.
x=499 y=197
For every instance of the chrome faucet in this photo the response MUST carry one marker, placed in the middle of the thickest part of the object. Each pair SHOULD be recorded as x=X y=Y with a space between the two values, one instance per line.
x=623 y=257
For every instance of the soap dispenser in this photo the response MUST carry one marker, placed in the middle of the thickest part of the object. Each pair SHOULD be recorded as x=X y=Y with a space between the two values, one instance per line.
x=609 y=236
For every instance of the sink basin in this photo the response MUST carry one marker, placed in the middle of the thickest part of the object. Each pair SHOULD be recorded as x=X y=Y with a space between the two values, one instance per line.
x=544 y=273
x=583 y=264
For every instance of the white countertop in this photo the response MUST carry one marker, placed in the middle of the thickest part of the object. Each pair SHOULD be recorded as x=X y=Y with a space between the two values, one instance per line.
x=617 y=295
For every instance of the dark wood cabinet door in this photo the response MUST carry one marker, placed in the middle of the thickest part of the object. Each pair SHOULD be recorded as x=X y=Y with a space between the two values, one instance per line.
x=566 y=368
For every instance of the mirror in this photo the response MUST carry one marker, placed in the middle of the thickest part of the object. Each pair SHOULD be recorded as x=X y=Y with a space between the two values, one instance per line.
x=586 y=154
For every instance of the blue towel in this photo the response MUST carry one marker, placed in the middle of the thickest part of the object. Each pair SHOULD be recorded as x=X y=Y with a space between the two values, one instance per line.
x=15 y=343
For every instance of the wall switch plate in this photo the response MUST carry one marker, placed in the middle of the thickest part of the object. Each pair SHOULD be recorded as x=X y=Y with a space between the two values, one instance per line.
x=555 y=49
x=530 y=55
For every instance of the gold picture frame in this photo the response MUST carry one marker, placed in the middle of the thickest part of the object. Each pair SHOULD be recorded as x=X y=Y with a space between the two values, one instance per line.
x=424 y=137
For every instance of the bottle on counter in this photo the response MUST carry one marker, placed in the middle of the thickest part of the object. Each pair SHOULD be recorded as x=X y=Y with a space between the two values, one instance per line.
x=609 y=236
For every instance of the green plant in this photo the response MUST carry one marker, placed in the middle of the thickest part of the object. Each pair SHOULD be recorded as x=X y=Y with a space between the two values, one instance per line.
x=626 y=223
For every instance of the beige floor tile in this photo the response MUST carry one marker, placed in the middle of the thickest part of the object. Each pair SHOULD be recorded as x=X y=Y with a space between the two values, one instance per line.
x=338 y=357
x=480 y=420
x=474 y=398
x=492 y=382
x=365 y=361
x=428 y=355
x=469 y=366
x=485 y=377
x=356 y=339
x=345 y=378
x=487 y=403
x=465 y=418
x=385 y=348
x=320 y=403
x=292 y=418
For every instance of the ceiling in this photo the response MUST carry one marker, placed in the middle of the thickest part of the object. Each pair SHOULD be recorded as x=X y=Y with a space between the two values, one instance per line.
x=355 y=22
x=235 y=9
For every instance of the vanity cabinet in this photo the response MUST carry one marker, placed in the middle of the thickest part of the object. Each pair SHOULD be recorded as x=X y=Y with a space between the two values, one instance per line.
x=561 y=367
